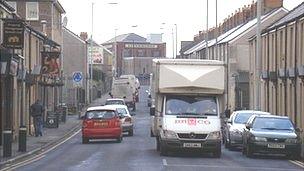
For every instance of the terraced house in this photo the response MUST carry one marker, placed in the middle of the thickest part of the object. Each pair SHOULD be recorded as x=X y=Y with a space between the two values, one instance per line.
x=282 y=75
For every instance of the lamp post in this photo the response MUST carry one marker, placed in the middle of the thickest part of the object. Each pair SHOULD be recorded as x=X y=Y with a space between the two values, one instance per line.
x=175 y=40
x=134 y=26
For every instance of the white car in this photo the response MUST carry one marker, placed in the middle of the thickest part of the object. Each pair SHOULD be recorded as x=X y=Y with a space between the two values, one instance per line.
x=127 y=119
x=235 y=125
x=115 y=101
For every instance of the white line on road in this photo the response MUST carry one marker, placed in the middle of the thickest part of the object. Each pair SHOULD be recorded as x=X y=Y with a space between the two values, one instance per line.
x=298 y=163
x=231 y=167
x=26 y=162
x=165 y=162
x=38 y=156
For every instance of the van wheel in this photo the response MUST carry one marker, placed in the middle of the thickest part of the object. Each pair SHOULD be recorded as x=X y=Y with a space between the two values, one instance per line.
x=134 y=107
x=163 y=151
x=157 y=144
x=151 y=134
x=218 y=152
x=249 y=152
x=130 y=133
x=85 y=140
x=119 y=140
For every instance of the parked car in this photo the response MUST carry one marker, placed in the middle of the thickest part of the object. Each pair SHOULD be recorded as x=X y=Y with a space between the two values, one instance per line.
x=126 y=118
x=271 y=134
x=101 y=122
x=115 y=102
x=235 y=125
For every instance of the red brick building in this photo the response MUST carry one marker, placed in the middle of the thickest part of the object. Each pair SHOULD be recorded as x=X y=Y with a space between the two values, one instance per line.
x=133 y=45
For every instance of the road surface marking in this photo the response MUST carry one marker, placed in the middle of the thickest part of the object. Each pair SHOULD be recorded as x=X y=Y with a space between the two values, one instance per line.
x=165 y=162
x=38 y=156
x=26 y=162
x=232 y=167
x=298 y=163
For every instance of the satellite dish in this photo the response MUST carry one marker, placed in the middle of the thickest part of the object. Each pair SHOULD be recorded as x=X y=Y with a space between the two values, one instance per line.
x=65 y=21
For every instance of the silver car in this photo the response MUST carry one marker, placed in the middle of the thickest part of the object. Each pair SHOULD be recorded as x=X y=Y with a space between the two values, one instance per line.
x=235 y=125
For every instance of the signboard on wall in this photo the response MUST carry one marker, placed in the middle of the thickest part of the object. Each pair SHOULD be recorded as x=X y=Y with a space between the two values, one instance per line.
x=96 y=54
x=13 y=34
x=50 y=63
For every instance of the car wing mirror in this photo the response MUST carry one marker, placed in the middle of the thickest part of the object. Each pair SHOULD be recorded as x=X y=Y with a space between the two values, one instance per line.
x=248 y=126
x=298 y=130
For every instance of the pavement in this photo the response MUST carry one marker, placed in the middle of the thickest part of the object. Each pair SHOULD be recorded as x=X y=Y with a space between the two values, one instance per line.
x=51 y=137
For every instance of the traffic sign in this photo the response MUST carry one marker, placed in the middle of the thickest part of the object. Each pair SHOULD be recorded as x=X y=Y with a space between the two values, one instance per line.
x=77 y=79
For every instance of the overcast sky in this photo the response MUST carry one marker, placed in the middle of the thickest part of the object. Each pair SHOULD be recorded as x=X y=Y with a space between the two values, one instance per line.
x=149 y=16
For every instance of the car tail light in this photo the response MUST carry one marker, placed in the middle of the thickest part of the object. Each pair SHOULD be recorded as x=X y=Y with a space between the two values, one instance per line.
x=84 y=124
x=128 y=119
x=117 y=123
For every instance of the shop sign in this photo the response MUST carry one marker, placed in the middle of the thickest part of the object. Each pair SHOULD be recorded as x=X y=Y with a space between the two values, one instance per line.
x=13 y=34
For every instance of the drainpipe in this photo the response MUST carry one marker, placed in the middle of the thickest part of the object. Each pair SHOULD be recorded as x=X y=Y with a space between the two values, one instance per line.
x=30 y=71
x=276 y=68
x=295 y=79
x=285 y=79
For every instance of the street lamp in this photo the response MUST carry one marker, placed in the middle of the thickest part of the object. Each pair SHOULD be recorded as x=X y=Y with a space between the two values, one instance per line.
x=133 y=26
x=91 y=51
x=175 y=40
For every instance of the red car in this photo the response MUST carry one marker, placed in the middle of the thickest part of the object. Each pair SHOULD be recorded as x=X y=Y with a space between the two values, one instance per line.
x=102 y=122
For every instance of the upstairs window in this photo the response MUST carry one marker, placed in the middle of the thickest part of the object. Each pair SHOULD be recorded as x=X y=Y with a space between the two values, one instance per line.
x=32 y=11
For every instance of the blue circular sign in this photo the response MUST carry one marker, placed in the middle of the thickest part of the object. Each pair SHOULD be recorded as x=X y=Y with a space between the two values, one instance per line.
x=77 y=76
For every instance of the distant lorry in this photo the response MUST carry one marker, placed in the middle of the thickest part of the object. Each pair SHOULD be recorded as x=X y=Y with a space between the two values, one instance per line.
x=122 y=88
x=189 y=97
x=135 y=84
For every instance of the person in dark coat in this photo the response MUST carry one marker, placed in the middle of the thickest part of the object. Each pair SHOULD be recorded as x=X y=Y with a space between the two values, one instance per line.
x=37 y=110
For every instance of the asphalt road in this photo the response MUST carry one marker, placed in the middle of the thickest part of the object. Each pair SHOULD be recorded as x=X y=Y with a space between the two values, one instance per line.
x=138 y=153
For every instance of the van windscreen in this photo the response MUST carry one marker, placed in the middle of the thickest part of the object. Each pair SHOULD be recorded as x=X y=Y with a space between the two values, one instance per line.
x=189 y=105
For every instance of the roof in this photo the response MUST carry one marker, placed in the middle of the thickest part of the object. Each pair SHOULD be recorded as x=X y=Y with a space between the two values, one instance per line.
x=118 y=106
x=59 y=7
x=294 y=14
x=130 y=37
x=273 y=116
x=233 y=33
x=109 y=107
x=115 y=99
x=7 y=6
x=252 y=111
x=250 y=25
x=73 y=34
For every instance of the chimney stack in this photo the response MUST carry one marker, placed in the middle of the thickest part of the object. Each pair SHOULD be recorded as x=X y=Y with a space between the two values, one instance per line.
x=84 y=36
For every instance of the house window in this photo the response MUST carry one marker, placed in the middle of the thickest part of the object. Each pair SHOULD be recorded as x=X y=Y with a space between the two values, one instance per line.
x=141 y=53
x=12 y=4
x=156 y=53
x=32 y=11
x=127 y=53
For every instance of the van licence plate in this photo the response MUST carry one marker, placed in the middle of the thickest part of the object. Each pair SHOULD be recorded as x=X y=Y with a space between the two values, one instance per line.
x=276 y=146
x=192 y=145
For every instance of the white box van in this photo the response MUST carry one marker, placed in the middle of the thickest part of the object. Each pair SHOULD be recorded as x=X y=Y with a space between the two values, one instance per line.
x=188 y=102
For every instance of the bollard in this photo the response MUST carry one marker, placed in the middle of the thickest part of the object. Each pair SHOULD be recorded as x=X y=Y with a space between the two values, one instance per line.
x=22 y=139
x=7 y=143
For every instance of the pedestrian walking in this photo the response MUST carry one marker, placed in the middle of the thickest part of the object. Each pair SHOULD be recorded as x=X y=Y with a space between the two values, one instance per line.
x=37 y=110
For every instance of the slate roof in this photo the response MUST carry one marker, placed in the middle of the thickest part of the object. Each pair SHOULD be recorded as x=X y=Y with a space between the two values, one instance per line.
x=294 y=14
x=130 y=37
